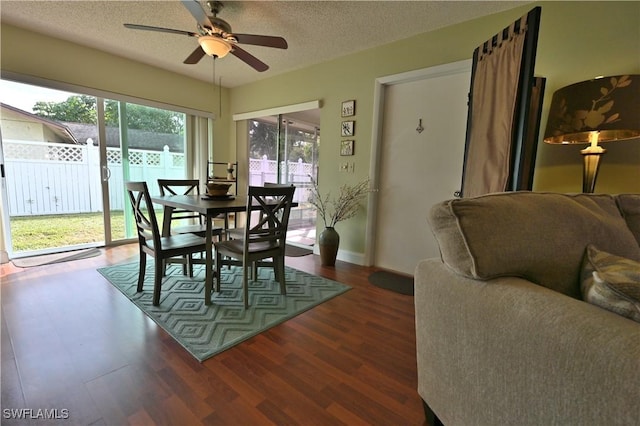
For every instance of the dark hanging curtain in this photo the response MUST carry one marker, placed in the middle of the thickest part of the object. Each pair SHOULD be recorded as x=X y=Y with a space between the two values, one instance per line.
x=504 y=111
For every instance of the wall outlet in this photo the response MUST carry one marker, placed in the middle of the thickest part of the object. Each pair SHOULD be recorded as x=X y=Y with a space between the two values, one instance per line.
x=351 y=167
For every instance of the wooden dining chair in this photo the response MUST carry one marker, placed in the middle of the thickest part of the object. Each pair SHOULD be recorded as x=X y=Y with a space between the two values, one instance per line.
x=152 y=243
x=264 y=235
x=238 y=233
x=188 y=187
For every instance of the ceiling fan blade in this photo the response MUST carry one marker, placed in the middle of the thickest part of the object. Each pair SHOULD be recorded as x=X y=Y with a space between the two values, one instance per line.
x=261 y=40
x=195 y=56
x=159 y=29
x=247 y=57
x=198 y=12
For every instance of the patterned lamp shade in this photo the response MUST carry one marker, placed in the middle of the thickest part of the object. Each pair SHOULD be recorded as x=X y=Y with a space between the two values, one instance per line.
x=601 y=110
x=608 y=105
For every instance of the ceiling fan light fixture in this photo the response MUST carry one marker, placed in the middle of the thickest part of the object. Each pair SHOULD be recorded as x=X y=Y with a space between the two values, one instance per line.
x=214 y=46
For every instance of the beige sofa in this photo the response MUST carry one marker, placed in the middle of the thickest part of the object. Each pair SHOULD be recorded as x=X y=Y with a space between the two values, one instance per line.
x=503 y=335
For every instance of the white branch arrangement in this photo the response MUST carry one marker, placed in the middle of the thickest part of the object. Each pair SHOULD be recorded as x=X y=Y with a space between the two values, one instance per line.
x=338 y=209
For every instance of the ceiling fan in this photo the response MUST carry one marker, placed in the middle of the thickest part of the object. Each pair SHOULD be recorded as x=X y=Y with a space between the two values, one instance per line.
x=215 y=37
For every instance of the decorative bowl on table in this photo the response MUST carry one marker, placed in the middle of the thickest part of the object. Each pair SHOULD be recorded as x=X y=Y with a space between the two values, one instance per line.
x=215 y=189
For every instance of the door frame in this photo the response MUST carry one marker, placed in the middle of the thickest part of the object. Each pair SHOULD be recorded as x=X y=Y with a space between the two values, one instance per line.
x=5 y=230
x=380 y=87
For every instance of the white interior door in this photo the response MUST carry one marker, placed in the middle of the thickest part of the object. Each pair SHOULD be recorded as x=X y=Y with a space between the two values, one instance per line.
x=418 y=168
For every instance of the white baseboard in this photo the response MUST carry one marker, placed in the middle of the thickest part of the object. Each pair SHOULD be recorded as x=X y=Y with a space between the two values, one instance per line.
x=345 y=256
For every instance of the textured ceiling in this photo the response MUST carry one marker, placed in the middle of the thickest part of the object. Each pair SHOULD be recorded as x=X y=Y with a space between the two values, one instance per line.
x=316 y=31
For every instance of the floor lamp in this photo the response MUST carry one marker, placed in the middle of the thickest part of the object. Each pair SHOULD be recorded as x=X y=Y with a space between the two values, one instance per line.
x=601 y=110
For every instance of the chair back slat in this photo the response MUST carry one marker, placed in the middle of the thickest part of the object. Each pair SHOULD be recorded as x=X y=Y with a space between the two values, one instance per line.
x=181 y=187
x=274 y=206
x=143 y=213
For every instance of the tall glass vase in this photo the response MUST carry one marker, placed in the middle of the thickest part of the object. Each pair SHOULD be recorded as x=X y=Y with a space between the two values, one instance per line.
x=329 y=241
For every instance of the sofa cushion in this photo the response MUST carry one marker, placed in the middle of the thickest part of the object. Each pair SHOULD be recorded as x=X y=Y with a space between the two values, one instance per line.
x=629 y=205
x=537 y=236
x=611 y=282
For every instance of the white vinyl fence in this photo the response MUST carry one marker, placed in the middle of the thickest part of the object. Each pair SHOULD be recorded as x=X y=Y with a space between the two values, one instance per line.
x=298 y=173
x=52 y=178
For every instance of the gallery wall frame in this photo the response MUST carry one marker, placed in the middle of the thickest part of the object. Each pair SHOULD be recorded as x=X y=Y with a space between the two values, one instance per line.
x=348 y=128
x=346 y=147
x=348 y=108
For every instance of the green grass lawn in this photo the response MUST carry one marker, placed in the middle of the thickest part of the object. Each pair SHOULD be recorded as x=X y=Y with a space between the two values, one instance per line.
x=40 y=232
x=43 y=232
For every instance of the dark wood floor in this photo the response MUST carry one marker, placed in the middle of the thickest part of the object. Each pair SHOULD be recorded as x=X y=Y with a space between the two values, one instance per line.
x=71 y=341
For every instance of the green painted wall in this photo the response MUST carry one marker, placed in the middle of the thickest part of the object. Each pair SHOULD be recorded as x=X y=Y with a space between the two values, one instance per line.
x=578 y=40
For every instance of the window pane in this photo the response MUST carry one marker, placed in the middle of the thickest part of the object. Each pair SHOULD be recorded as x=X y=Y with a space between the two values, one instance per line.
x=53 y=186
x=148 y=146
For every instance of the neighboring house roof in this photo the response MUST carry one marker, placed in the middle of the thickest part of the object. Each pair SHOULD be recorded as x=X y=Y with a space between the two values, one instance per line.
x=79 y=133
x=138 y=139
x=58 y=128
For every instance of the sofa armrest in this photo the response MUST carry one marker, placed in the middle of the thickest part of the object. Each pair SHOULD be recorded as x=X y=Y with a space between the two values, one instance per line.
x=510 y=352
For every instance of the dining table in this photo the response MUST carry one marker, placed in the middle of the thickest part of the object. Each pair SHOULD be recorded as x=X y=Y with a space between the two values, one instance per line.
x=210 y=207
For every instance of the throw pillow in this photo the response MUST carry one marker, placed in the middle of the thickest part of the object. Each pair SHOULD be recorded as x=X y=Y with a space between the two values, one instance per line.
x=611 y=282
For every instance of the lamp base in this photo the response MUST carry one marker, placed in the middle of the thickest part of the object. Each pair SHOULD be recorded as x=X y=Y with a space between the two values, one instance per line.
x=591 y=157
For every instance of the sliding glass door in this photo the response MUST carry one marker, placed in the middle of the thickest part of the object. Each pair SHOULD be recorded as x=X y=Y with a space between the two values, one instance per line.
x=64 y=188
x=51 y=174
x=284 y=149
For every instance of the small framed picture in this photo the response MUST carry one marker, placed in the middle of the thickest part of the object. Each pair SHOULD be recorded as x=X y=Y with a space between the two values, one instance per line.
x=348 y=128
x=348 y=108
x=346 y=147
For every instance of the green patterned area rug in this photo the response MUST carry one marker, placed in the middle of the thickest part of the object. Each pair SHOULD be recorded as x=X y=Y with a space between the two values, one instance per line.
x=204 y=330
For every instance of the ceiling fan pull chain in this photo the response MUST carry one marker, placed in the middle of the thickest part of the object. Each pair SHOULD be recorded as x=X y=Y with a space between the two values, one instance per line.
x=214 y=80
